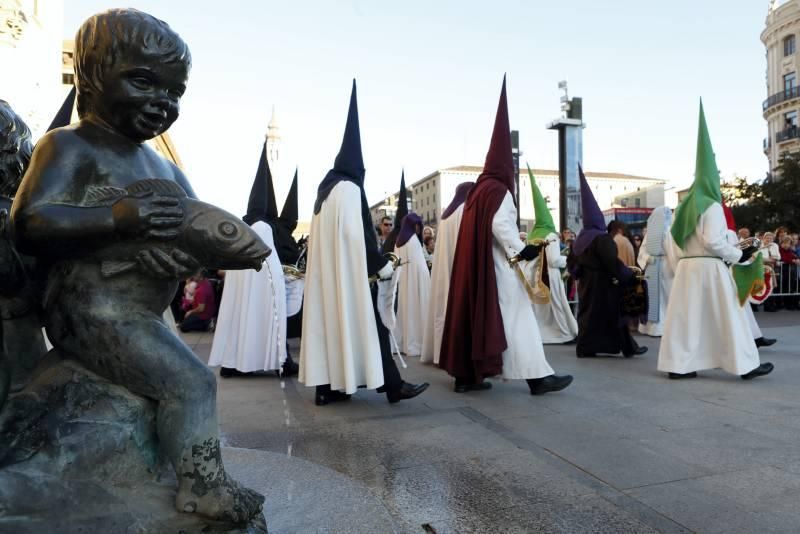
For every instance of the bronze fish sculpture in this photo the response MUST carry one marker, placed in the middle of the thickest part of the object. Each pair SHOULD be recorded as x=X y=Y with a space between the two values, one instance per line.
x=215 y=238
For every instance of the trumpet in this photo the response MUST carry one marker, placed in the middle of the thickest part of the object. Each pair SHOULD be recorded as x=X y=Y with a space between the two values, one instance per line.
x=749 y=243
x=538 y=242
x=393 y=258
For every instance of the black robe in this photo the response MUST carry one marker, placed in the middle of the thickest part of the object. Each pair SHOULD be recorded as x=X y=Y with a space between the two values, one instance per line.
x=601 y=276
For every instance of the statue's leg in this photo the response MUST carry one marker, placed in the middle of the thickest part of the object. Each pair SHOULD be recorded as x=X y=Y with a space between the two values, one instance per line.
x=142 y=354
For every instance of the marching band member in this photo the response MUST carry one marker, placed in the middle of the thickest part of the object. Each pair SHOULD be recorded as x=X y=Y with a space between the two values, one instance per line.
x=447 y=237
x=556 y=322
x=704 y=324
x=657 y=271
x=345 y=345
x=601 y=276
x=414 y=288
x=251 y=325
x=489 y=326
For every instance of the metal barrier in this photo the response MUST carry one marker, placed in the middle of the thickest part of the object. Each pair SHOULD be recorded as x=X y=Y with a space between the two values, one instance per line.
x=786 y=284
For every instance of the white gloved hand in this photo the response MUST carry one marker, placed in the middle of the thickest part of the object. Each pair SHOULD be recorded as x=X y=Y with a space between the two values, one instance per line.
x=386 y=271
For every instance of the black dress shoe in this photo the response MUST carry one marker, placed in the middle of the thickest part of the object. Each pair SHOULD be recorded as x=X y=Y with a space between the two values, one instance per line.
x=463 y=387
x=228 y=372
x=406 y=391
x=765 y=341
x=763 y=369
x=638 y=352
x=678 y=376
x=321 y=399
x=540 y=386
x=586 y=354
x=290 y=368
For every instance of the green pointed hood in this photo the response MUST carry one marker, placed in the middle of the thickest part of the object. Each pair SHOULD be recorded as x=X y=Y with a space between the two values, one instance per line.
x=704 y=191
x=544 y=220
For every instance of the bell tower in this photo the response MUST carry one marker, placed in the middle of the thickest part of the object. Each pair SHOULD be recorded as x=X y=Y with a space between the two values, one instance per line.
x=273 y=142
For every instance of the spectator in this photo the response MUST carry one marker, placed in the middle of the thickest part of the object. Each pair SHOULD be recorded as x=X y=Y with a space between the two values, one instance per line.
x=771 y=254
x=385 y=230
x=429 y=244
x=743 y=233
x=199 y=317
x=789 y=269
x=523 y=237
x=780 y=233
x=636 y=239
x=428 y=232
x=566 y=235
x=616 y=229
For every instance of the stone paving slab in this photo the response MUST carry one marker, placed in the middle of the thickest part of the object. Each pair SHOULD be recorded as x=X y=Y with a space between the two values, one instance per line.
x=622 y=450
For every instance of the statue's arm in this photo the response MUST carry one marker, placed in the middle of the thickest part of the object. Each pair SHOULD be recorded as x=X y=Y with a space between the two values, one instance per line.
x=45 y=217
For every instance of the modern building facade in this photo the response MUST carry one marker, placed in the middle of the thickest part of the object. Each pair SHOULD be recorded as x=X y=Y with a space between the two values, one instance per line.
x=431 y=194
x=780 y=37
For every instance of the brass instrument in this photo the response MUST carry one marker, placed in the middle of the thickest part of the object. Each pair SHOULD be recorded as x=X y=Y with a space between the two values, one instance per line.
x=753 y=242
x=395 y=261
x=637 y=272
x=538 y=293
x=298 y=270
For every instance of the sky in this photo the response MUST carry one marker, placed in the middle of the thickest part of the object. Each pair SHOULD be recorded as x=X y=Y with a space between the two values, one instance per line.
x=429 y=75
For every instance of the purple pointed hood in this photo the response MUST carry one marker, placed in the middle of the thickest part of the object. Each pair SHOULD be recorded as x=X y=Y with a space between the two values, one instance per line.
x=411 y=222
x=462 y=190
x=594 y=224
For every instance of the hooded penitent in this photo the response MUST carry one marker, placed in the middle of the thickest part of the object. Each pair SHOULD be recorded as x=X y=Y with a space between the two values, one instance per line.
x=261 y=206
x=411 y=226
x=473 y=339
x=462 y=190
x=594 y=224
x=64 y=115
x=704 y=191
x=402 y=211
x=349 y=167
x=544 y=225
x=285 y=244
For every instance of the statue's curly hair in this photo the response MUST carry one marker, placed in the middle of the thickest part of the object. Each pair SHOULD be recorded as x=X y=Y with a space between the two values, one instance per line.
x=15 y=149
x=107 y=36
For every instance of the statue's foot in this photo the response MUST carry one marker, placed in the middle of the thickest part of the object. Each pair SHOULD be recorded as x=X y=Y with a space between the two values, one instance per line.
x=228 y=501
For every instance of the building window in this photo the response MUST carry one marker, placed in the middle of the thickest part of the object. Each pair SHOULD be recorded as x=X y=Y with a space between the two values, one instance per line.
x=789 y=45
x=637 y=202
x=790 y=119
x=789 y=83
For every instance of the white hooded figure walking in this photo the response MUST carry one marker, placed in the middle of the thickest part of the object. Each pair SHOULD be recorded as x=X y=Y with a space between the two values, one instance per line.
x=414 y=287
x=251 y=325
x=447 y=237
x=657 y=270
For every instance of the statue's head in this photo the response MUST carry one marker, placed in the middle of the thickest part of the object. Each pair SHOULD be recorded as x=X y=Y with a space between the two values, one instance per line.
x=131 y=71
x=15 y=149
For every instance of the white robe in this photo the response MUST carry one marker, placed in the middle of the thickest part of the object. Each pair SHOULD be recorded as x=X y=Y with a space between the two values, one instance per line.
x=413 y=293
x=447 y=237
x=524 y=357
x=556 y=322
x=340 y=343
x=656 y=328
x=251 y=324
x=704 y=327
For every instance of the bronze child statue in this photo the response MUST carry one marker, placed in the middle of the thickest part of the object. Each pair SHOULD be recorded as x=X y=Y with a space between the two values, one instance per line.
x=21 y=341
x=119 y=226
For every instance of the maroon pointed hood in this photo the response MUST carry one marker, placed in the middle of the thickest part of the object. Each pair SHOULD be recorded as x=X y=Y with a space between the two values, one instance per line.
x=499 y=163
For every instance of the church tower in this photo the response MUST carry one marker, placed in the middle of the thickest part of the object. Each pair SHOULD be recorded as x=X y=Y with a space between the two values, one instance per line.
x=273 y=142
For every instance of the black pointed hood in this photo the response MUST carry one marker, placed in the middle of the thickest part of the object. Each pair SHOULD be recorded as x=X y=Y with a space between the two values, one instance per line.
x=289 y=213
x=64 y=115
x=262 y=205
x=349 y=167
x=349 y=163
x=402 y=211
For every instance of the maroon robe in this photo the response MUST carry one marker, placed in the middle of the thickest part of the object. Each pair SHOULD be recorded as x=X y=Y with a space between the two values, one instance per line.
x=473 y=339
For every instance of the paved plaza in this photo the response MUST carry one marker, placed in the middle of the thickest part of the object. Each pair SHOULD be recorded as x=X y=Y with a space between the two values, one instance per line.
x=622 y=450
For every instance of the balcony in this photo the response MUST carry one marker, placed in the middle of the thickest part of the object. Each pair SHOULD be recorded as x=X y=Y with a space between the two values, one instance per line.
x=766 y=145
x=783 y=96
x=787 y=135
